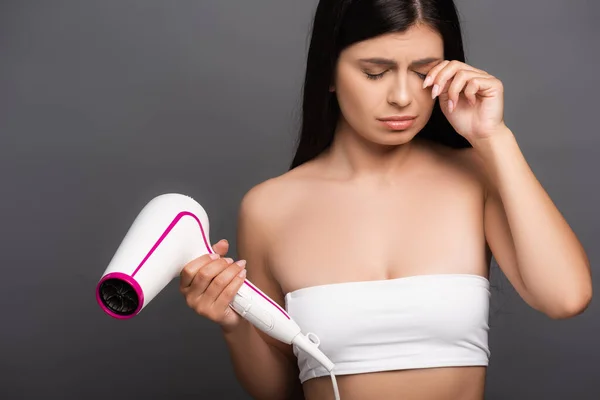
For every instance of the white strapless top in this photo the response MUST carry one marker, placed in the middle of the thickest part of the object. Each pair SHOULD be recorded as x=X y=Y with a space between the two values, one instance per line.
x=420 y=321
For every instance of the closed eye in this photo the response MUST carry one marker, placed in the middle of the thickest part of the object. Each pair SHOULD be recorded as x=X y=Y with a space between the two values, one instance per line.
x=375 y=76
x=380 y=75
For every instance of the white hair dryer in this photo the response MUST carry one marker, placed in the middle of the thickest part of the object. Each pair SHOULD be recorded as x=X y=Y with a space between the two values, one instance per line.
x=169 y=232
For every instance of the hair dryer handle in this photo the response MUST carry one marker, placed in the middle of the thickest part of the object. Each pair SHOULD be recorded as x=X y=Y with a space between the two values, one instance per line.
x=262 y=312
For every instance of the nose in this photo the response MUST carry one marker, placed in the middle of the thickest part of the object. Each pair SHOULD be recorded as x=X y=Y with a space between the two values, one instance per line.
x=399 y=93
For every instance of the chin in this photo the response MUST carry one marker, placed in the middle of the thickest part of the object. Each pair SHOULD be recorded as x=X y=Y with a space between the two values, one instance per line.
x=394 y=138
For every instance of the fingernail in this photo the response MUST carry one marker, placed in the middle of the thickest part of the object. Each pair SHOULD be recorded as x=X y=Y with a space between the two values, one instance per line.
x=434 y=91
x=427 y=82
x=242 y=273
x=214 y=256
x=229 y=260
x=241 y=263
x=450 y=105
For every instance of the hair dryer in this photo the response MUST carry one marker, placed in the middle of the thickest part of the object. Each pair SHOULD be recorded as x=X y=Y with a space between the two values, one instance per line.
x=169 y=232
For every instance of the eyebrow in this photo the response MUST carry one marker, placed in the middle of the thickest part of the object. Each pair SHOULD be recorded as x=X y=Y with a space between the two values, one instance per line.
x=388 y=62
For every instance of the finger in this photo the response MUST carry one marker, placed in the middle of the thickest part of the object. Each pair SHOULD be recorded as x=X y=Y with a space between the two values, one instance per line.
x=457 y=84
x=471 y=92
x=433 y=73
x=441 y=78
x=205 y=275
x=220 y=282
x=221 y=247
x=189 y=271
x=226 y=296
x=482 y=86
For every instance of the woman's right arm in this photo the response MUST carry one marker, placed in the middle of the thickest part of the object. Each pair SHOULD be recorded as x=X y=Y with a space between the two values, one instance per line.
x=263 y=370
x=264 y=366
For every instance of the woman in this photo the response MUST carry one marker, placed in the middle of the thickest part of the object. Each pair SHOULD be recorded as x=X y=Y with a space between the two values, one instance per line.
x=379 y=239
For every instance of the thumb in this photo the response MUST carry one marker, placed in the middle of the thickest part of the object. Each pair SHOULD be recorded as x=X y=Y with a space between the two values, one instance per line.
x=221 y=247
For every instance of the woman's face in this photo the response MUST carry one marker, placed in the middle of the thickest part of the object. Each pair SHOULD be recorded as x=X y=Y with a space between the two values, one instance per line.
x=382 y=78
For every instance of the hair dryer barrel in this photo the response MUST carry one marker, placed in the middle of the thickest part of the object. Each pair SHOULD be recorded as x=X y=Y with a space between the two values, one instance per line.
x=169 y=232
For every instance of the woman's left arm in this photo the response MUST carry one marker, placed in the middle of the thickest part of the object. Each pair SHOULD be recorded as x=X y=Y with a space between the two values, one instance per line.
x=533 y=244
x=531 y=241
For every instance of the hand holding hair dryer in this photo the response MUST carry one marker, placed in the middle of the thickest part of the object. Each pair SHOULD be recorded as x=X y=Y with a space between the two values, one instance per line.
x=169 y=232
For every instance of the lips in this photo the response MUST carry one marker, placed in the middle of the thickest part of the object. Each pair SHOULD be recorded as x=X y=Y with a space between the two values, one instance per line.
x=398 y=118
x=398 y=123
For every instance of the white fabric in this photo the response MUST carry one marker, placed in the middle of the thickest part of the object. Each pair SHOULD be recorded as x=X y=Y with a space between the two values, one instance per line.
x=420 y=321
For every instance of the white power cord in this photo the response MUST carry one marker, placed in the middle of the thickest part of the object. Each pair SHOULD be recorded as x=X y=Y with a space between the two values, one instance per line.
x=336 y=391
x=327 y=364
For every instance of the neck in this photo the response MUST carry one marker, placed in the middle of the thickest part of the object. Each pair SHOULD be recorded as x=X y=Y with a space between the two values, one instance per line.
x=354 y=157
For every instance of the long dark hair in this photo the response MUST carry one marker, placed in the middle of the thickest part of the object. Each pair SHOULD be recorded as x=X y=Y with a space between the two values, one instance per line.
x=341 y=23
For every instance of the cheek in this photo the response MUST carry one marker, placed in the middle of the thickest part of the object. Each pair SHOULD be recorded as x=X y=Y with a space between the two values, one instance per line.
x=425 y=108
x=427 y=103
x=419 y=95
x=357 y=96
x=422 y=99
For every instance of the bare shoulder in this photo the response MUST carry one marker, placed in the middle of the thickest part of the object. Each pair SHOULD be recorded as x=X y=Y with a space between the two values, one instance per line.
x=463 y=163
x=263 y=213
x=473 y=165
x=269 y=202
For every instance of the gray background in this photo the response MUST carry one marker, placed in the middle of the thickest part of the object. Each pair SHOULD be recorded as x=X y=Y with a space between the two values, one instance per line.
x=106 y=104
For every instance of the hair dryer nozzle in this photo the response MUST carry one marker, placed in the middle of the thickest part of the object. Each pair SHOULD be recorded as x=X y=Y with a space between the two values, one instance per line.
x=119 y=295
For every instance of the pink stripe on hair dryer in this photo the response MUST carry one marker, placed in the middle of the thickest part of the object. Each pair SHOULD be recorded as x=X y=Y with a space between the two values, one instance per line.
x=170 y=231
